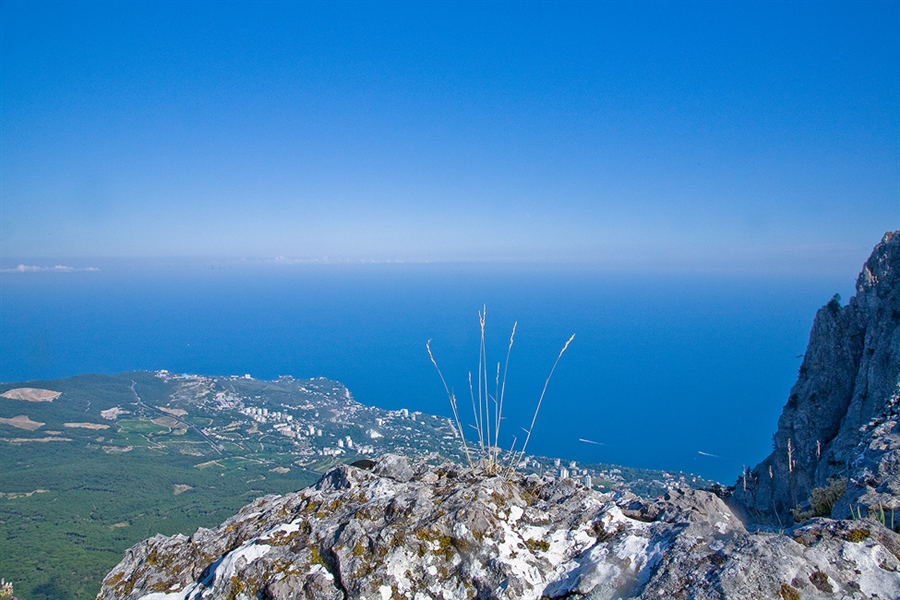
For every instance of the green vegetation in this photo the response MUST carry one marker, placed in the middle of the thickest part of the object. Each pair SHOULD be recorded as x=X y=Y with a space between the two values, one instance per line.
x=857 y=535
x=787 y=592
x=69 y=509
x=877 y=514
x=60 y=543
x=821 y=500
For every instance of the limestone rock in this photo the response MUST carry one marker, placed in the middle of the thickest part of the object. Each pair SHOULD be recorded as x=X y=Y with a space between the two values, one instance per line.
x=395 y=467
x=445 y=532
x=874 y=472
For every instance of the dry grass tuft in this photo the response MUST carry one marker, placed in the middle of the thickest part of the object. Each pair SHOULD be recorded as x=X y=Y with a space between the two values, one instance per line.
x=487 y=407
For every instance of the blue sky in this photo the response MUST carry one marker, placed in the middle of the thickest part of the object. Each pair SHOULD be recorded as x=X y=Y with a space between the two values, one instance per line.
x=675 y=136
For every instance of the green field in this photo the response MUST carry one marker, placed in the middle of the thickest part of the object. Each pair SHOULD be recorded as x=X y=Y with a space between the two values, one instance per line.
x=70 y=509
x=59 y=543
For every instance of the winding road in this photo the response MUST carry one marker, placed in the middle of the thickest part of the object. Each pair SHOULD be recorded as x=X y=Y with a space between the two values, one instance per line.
x=217 y=447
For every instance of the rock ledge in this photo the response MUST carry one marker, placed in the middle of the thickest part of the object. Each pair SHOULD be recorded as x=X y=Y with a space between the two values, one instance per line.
x=419 y=532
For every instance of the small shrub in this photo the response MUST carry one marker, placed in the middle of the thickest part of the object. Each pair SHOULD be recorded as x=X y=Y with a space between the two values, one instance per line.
x=717 y=559
x=821 y=500
x=604 y=535
x=820 y=580
x=787 y=592
x=537 y=545
x=856 y=535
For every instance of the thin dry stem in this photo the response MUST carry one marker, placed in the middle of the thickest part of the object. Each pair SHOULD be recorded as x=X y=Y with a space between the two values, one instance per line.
x=452 y=399
x=496 y=400
x=483 y=409
x=475 y=412
x=541 y=399
x=790 y=454
x=488 y=433
x=512 y=337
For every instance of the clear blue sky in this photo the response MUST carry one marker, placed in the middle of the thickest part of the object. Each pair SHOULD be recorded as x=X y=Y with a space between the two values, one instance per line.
x=723 y=136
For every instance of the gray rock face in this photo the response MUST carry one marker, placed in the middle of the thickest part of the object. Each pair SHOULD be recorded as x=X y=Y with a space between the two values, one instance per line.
x=444 y=532
x=847 y=382
x=874 y=483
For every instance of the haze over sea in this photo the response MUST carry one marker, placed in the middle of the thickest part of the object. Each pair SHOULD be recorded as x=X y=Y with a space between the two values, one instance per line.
x=681 y=372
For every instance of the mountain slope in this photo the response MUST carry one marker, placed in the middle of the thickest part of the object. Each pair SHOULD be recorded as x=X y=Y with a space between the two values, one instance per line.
x=846 y=387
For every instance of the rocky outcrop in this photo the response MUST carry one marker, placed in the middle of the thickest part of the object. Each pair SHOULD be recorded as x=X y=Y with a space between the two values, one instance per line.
x=837 y=425
x=874 y=473
x=402 y=531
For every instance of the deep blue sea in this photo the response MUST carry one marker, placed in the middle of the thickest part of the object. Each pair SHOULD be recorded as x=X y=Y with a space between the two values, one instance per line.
x=683 y=372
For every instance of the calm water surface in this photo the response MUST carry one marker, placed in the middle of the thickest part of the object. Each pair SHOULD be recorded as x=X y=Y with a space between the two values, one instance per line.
x=664 y=370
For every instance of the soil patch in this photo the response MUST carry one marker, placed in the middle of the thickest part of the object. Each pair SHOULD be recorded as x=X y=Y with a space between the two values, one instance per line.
x=113 y=413
x=117 y=449
x=13 y=495
x=31 y=394
x=22 y=422
x=41 y=440
x=166 y=422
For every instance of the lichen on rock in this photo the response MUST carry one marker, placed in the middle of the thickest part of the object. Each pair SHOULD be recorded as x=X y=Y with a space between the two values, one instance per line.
x=443 y=532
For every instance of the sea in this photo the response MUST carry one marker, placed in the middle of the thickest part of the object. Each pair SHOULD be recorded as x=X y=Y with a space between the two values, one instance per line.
x=677 y=371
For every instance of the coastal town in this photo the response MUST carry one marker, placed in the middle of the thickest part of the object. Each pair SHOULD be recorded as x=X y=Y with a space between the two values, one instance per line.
x=317 y=423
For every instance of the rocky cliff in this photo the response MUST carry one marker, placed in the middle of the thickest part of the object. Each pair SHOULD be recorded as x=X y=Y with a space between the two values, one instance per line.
x=418 y=532
x=839 y=428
